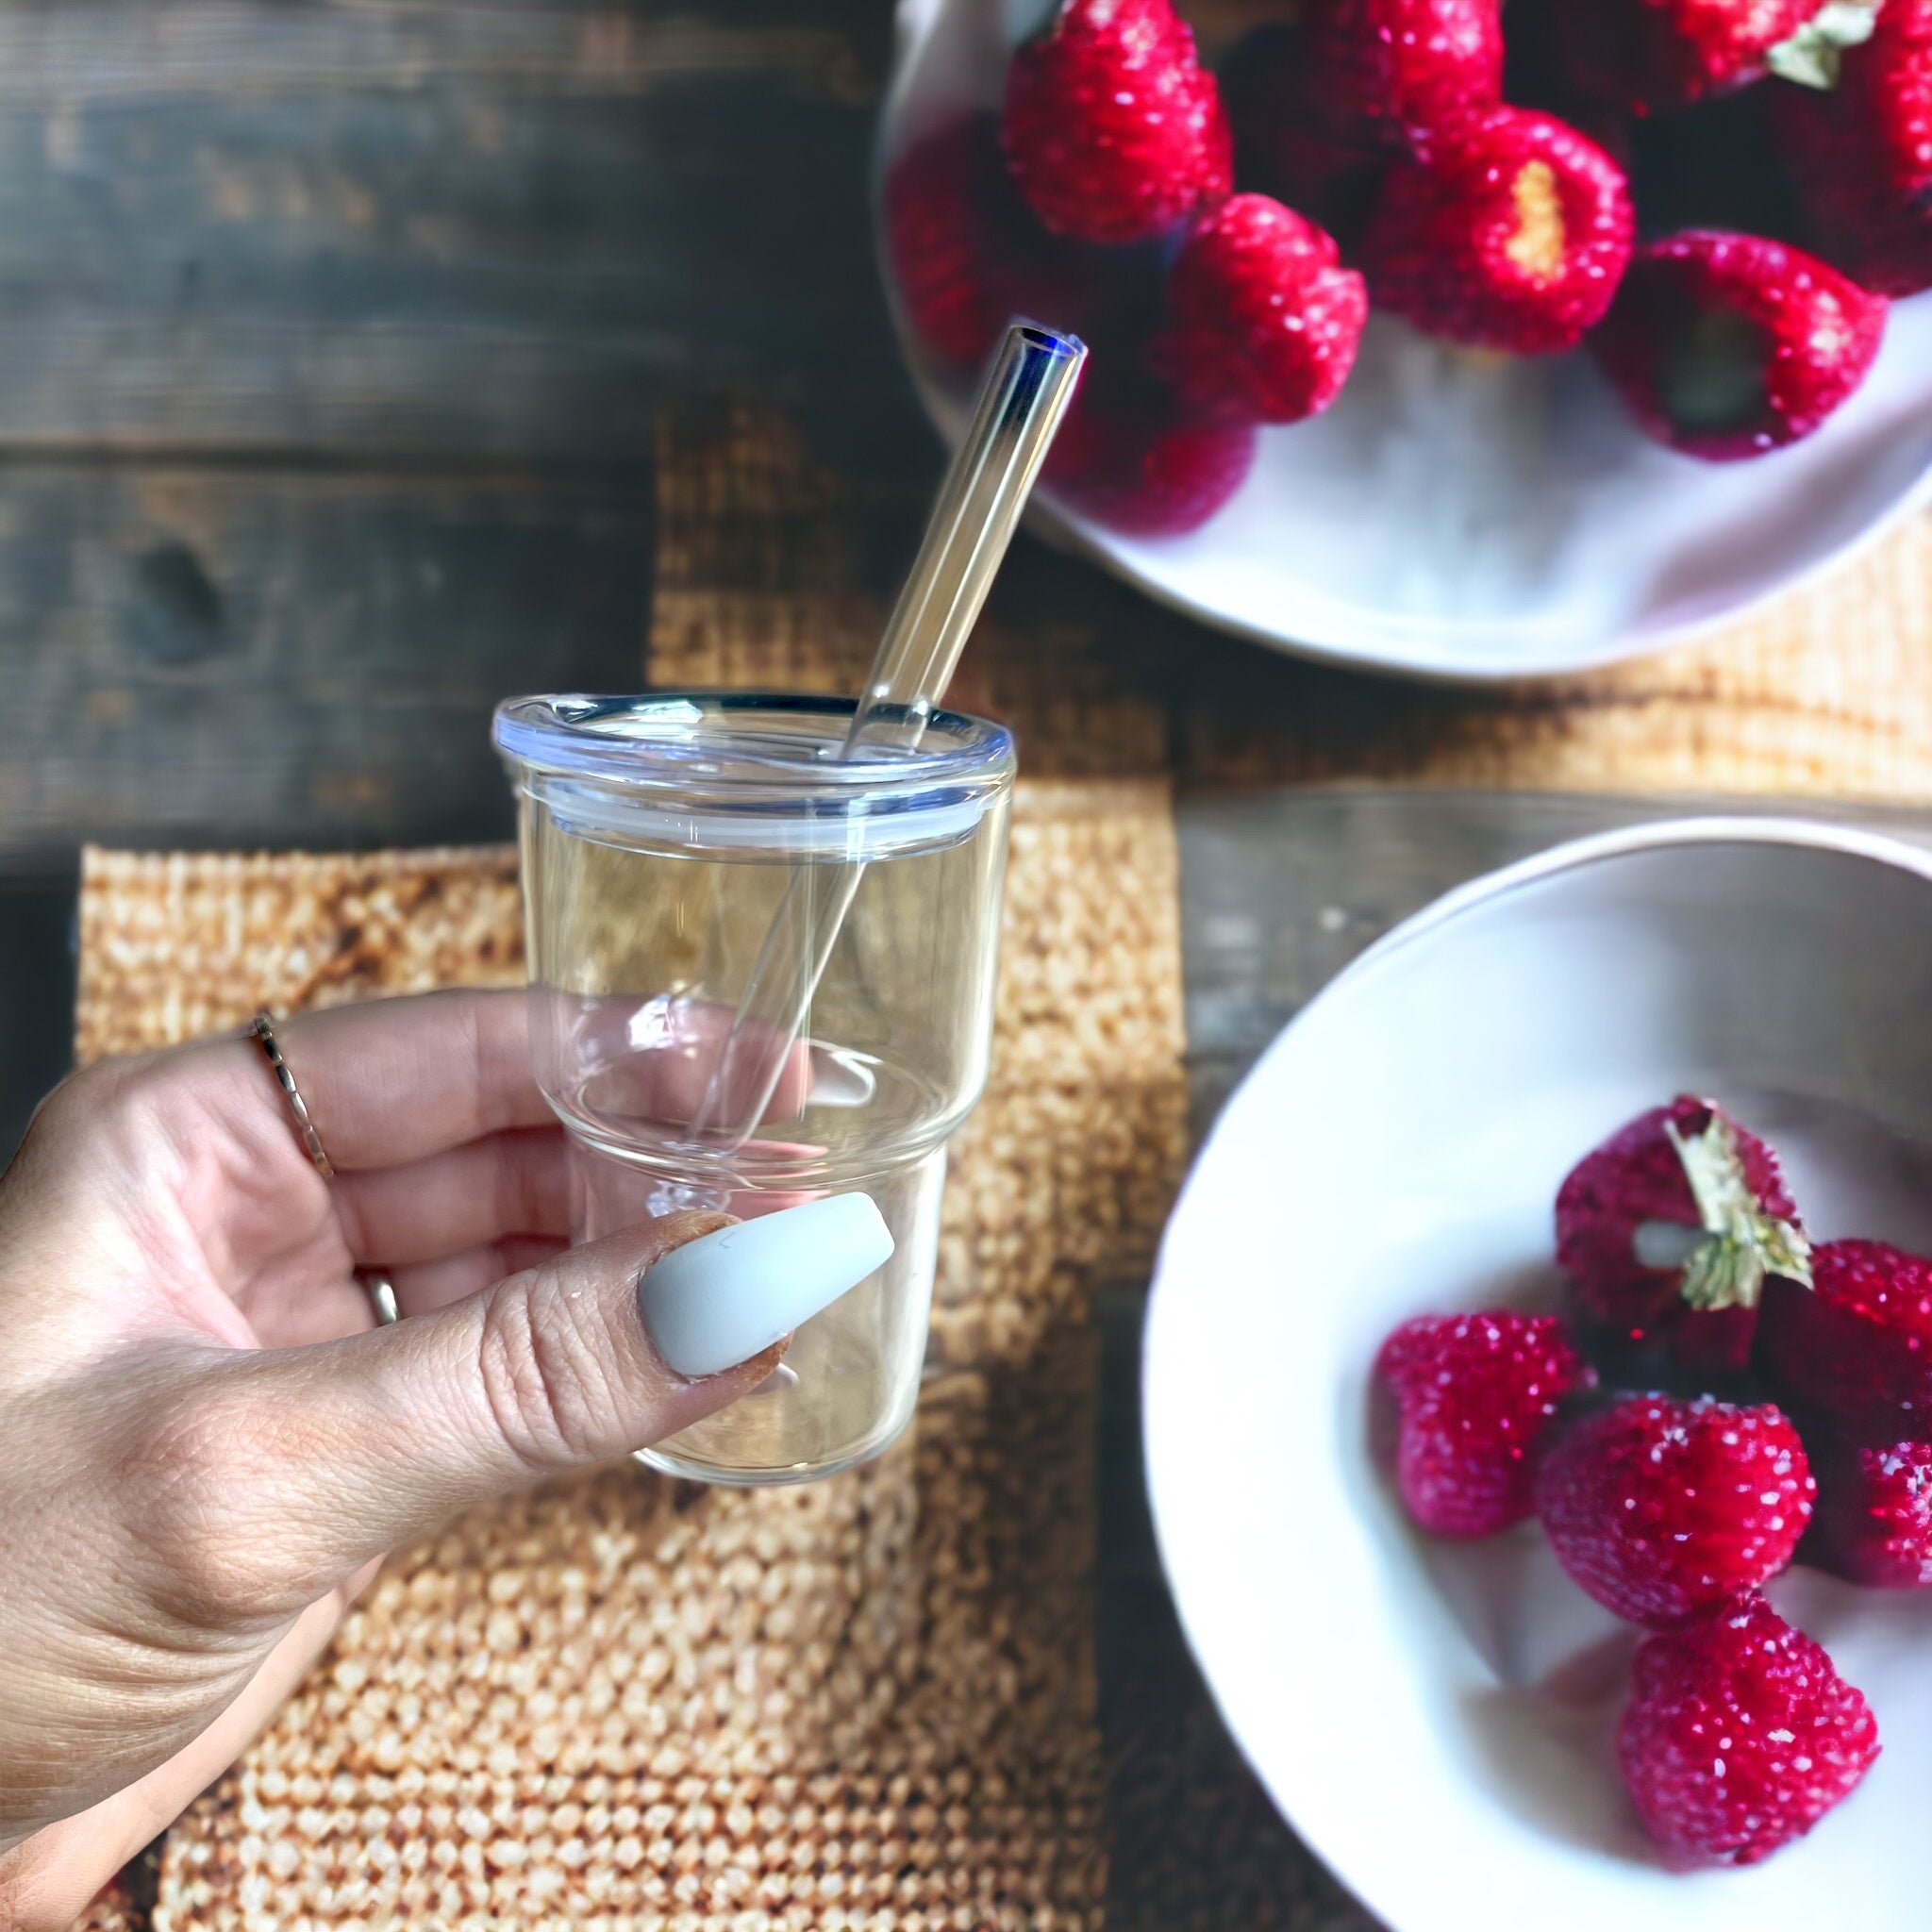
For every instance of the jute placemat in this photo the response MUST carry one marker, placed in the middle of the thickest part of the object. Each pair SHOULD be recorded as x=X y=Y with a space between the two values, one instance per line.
x=628 y=1701
x=1825 y=692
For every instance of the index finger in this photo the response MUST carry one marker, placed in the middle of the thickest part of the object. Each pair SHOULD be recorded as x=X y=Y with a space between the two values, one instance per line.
x=392 y=1080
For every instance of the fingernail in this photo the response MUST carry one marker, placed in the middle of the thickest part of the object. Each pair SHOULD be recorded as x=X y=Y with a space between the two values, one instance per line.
x=839 y=1079
x=726 y=1296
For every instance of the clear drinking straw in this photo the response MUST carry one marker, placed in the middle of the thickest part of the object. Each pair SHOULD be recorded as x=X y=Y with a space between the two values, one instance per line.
x=1025 y=393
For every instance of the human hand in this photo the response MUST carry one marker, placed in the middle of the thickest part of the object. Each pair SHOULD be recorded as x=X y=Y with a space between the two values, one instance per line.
x=206 y=1446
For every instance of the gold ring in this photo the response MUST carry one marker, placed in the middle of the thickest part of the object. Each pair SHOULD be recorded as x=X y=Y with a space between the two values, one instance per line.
x=264 y=1031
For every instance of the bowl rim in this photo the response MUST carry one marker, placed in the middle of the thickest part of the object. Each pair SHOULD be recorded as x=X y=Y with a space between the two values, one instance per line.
x=1159 y=1425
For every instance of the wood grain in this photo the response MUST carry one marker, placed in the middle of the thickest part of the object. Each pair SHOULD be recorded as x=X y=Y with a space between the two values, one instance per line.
x=214 y=658
x=427 y=227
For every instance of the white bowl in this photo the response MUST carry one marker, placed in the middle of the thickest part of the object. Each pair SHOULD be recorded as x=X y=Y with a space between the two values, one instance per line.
x=1461 y=517
x=1435 y=1718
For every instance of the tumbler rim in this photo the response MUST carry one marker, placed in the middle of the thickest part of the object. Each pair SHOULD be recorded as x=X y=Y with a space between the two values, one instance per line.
x=745 y=743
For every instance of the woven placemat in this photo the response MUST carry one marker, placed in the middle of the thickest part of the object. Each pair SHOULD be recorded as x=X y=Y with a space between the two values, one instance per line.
x=631 y=1702
x=1825 y=692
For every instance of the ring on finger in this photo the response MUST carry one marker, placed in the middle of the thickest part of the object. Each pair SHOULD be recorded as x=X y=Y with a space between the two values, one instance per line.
x=382 y=1296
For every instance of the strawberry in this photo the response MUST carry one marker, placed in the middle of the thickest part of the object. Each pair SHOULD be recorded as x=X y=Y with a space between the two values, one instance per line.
x=1508 y=231
x=1649 y=55
x=1856 y=1349
x=966 y=255
x=1265 y=320
x=1663 y=1510
x=1725 y=346
x=1668 y=1231
x=1389 y=71
x=1872 y=1523
x=1112 y=128
x=1132 y=458
x=1863 y=152
x=1739 y=1737
x=1478 y=1397
x=1280 y=146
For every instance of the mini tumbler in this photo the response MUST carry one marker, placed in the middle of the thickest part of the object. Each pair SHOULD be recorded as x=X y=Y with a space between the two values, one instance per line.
x=659 y=836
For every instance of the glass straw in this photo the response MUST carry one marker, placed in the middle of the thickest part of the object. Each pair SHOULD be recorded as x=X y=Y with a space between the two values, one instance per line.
x=1025 y=392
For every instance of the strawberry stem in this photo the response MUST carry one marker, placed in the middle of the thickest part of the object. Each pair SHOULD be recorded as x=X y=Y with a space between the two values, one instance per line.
x=1813 y=55
x=1743 y=1243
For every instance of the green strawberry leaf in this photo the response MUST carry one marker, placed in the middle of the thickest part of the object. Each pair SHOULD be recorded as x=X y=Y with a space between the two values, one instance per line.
x=1742 y=1244
x=1813 y=55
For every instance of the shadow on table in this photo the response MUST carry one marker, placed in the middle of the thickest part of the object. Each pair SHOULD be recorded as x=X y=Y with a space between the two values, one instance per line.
x=36 y=998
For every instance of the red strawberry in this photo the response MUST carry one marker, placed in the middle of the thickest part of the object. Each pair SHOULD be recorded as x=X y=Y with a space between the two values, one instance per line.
x=1388 y=72
x=1863 y=153
x=1668 y=1231
x=1855 y=1348
x=1131 y=458
x=1478 y=1396
x=1647 y=55
x=1872 y=1523
x=1663 y=1510
x=1280 y=145
x=1265 y=320
x=1113 y=130
x=967 y=257
x=1509 y=231
x=1725 y=346
x=1739 y=1737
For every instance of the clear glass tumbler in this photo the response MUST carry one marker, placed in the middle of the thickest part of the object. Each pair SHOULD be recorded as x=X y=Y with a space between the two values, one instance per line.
x=659 y=836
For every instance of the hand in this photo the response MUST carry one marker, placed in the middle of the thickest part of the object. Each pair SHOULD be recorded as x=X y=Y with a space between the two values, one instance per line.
x=204 y=1449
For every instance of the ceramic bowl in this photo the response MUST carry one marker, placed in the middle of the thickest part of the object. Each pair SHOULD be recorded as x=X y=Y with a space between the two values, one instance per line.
x=1458 y=516
x=1436 y=1719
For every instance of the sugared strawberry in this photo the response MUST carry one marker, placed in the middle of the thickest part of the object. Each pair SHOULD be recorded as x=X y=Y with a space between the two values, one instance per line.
x=1739 y=1737
x=1281 y=147
x=1663 y=1510
x=1725 y=346
x=1863 y=153
x=1113 y=130
x=1510 y=232
x=1855 y=1348
x=967 y=257
x=1389 y=72
x=1131 y=458
x=1265 y=321
x=1872 y=1523
x=1478 y=1397
x=1649 y=55
x=1668 y=1231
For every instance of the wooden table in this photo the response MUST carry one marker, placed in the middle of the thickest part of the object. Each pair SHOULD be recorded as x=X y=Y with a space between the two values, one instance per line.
x=370 y=360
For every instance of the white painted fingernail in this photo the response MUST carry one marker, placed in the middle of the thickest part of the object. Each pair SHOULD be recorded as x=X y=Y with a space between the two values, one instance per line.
x=725 y=1297
x=839 y=1079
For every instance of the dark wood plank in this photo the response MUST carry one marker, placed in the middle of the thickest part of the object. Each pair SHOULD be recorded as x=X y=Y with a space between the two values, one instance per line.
x=36 y=996
x=428 y=227
x=77 y=51
x=276 y=658
x=1282 y=886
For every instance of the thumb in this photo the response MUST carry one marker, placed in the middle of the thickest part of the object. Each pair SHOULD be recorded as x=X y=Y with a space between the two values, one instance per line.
x=361 y=1444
